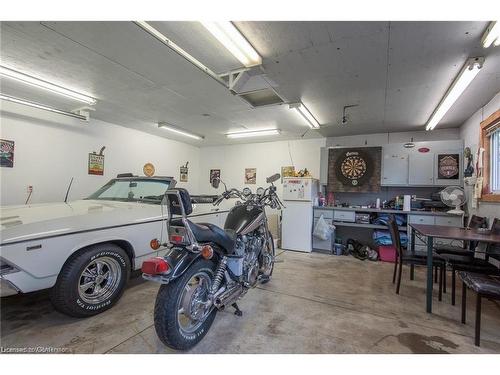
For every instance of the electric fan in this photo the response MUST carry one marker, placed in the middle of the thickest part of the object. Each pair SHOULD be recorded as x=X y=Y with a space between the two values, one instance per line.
x=454 y=196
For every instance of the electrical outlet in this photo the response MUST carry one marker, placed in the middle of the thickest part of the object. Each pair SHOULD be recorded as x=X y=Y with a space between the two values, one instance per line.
x=29 y=189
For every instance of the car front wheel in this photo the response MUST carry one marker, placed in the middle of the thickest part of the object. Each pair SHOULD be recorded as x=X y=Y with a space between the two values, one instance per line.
x=92 y=281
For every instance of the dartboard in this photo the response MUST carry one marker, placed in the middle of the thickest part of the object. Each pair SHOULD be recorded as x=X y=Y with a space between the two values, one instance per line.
x=353 y=167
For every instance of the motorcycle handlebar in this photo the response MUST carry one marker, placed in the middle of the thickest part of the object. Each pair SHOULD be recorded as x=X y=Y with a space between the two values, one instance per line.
x=271 y=198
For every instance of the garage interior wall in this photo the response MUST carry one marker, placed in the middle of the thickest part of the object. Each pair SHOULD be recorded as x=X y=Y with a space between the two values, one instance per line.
x=50 y=149
x=267 y=157
x=469 y=132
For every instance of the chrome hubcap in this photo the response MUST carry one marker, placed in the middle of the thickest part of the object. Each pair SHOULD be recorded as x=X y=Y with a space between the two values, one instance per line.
x=99 y=280
x=193 y=306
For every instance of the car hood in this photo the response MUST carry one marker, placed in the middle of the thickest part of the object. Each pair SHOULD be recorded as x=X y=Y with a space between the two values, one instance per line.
x=28 y=222
x=20 y=223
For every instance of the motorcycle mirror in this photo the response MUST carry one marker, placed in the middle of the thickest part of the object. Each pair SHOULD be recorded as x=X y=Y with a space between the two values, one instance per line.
x=274 y=177
x=215 y=182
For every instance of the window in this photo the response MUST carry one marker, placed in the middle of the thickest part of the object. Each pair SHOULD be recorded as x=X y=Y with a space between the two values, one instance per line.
x=490 y=142
x=495 y=162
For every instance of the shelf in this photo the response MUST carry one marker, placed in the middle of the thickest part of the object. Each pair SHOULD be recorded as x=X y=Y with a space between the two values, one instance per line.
x=368 y=226
x=385 y=211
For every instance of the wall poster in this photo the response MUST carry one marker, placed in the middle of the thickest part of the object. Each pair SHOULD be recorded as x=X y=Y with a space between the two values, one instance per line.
x=7 y=153
x=250 y=175
x=96 y=164
x=184 y=173
x=448 y=166
x=214 y=173
x=354 y=169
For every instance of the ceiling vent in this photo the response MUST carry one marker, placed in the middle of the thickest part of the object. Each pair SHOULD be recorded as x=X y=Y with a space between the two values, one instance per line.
x=259 y=98
x=253 y=86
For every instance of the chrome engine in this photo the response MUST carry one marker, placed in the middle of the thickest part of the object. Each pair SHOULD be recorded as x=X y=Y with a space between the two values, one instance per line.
x=249 y=247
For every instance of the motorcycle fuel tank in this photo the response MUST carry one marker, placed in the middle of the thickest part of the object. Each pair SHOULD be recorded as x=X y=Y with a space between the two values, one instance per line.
x=244 y=219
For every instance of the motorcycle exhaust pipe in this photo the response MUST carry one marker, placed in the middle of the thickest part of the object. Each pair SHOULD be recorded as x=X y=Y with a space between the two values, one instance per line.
x=228 y=297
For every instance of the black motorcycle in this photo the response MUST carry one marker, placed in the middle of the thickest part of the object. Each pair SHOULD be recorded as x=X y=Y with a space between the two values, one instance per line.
x=208 y=268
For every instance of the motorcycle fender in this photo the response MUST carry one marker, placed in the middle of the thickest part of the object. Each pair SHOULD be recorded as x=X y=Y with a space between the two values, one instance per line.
x=180 y=259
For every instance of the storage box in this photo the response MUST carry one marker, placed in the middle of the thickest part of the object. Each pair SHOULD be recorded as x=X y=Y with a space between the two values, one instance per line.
x=387 y=253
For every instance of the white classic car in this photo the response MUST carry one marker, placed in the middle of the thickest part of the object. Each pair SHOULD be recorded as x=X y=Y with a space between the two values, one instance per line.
x=85 y=250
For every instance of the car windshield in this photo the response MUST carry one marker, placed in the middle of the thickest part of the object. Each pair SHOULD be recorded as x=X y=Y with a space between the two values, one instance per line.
x=132 y=190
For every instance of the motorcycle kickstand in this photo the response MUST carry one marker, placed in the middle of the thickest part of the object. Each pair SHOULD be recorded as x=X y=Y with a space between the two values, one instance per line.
x=238 y=312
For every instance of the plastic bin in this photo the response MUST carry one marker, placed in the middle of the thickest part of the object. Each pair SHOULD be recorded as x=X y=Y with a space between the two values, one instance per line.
x=338 y=249
x=387 y=253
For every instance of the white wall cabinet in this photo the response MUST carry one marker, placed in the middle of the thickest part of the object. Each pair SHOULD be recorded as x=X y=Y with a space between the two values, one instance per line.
x=394 y=166
x=421 y=169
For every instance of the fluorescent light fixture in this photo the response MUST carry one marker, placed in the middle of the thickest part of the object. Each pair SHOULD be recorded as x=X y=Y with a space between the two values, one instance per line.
x=30 y=80
x=43 y=107
x=306 y=114
x=491 y=35
x=176 y=130
x=256 y=133
x=230 y=37
x=464 y=78
x=177 y=49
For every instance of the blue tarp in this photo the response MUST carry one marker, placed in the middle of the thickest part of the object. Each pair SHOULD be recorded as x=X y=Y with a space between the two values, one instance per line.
x=383 y=237
x=383 y=219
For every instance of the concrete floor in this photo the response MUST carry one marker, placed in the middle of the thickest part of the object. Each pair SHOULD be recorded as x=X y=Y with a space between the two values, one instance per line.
x=315 y=304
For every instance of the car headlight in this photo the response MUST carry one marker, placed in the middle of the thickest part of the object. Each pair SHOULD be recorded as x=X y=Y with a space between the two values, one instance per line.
x=6 y=268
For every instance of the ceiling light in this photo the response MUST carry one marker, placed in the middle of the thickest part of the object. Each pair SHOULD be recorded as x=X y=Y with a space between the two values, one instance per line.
x=464 y=78
x=174 y=129
x=43 y=107
x=256 y=133
x=491 y=35
x=306 y=114
x=230 y=37
x=29 y=80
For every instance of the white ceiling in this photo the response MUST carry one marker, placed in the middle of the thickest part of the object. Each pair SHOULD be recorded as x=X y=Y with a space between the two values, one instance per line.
x=397 y=72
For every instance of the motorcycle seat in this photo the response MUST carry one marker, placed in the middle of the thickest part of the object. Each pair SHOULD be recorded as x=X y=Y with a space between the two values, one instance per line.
x=207 y=232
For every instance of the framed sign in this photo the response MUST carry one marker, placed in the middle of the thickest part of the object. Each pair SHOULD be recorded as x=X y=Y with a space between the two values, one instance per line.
x=7 y=153
x=148 y=169
x=214 y=173
x=448 y=166
x=96 y=164
x=250 y=175
x=354 y=169
x=183 y=174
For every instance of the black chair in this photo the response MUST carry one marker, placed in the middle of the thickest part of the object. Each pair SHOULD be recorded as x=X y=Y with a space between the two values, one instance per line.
x=404 y=256
x=470 y=263
x=475 y=222
x=485 y=287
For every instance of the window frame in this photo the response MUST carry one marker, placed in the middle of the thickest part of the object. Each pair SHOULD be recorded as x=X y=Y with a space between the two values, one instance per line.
x=485 y=142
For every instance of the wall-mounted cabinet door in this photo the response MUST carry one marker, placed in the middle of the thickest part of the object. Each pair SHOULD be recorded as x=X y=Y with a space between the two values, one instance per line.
x=394 y=168
x=421 y=171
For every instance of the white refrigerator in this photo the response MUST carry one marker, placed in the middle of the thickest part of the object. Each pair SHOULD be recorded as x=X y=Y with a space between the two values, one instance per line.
x=299 y=194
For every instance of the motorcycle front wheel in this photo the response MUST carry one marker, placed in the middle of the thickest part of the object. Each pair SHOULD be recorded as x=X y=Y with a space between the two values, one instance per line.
x=181 y=315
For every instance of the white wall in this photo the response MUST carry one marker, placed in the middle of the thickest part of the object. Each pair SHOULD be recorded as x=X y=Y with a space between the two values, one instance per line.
x=380 y=139
x=50 y=149
x=469 y=132
x=267 y=157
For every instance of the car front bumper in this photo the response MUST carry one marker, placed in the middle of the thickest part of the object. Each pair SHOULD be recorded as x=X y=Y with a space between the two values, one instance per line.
x=7 y=288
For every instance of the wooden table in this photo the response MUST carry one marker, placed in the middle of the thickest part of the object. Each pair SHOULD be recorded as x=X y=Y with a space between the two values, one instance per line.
x=453 y=233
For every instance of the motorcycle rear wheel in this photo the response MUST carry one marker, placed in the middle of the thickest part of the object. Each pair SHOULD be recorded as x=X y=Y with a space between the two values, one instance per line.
x=180 y=322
